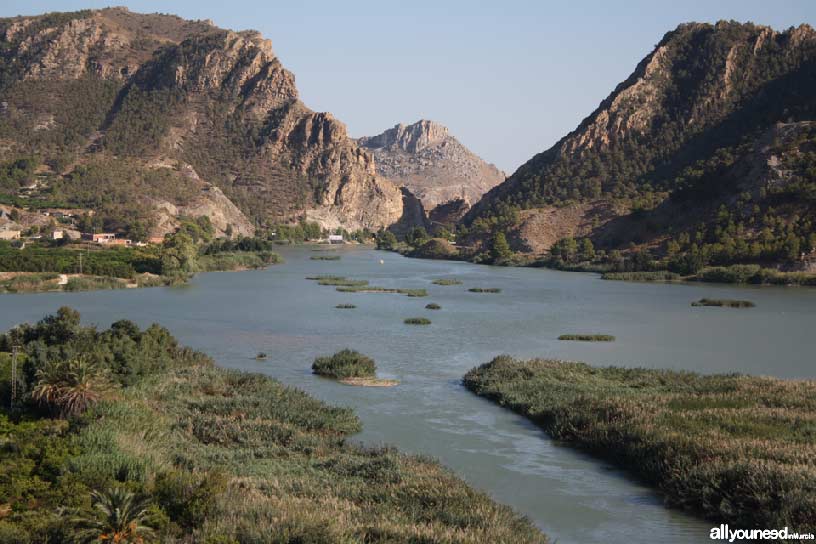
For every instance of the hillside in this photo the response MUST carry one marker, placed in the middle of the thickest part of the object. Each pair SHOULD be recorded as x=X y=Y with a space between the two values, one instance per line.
x=431 y=163
x=704 y=155
x=128 y=113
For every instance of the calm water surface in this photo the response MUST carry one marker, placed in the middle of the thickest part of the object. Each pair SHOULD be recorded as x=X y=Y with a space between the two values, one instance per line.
x=572 y=497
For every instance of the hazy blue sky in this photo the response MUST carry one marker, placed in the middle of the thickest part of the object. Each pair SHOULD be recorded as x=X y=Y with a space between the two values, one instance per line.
x=509 y=78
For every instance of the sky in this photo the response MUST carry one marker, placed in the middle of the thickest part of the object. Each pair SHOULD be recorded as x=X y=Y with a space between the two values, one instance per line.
x=509 y=78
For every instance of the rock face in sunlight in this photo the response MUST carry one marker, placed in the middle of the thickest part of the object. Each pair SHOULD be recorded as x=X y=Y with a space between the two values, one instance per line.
x=430 y=162
x=86 y=88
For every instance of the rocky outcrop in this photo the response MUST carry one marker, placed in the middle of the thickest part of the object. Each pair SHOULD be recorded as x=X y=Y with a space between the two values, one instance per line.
x=430 y=162
x=186 y=91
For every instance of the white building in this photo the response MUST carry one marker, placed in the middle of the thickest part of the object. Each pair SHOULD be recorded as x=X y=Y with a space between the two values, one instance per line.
x=336 y=239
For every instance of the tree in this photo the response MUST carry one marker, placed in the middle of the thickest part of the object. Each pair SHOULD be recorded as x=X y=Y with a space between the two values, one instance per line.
x=179 y=256
x=118 y=516
x=386 y=240
x=500 y=251
x=416 y=237
x=587 y=251
x=68 y=388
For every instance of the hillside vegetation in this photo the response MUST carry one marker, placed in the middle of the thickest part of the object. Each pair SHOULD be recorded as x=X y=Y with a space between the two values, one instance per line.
x=704 y=156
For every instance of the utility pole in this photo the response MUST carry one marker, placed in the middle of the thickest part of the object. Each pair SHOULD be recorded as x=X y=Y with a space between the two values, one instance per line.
x=14 y=351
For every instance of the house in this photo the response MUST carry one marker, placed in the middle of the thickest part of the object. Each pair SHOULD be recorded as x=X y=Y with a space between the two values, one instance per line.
x=336 y=239
x=9 y=234
x=57 y=235
x=119 y=242
x=99 y=238
x=158 y=240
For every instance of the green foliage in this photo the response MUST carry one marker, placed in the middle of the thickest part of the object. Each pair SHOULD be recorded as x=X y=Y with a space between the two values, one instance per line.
x=500 y=251
x=114 y=262
x=325 y=257
x=386 y=240
x=433 y=306
x=345 y=364
x=731 y=447
x=345 y=306
x=194 y=453
x=484 y=290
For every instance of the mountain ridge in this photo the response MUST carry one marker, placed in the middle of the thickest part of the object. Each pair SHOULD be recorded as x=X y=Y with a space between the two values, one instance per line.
x=84 y=89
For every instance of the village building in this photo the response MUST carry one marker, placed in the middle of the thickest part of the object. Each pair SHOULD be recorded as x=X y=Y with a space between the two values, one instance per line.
x=336 y=239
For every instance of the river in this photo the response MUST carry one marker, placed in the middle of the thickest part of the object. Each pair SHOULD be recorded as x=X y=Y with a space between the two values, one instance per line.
x=572 y=497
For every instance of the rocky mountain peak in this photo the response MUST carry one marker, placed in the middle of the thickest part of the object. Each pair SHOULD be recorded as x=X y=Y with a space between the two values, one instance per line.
x=410 y=138
x=431 y=163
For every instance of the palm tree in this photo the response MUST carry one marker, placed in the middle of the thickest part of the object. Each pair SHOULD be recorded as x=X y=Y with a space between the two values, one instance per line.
x=69 y=387
x=118 y=516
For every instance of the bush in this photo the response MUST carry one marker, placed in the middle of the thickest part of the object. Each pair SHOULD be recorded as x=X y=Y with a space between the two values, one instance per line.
x=345 y=364
x=433 y=306
x=484 y=290
x=346 y=306
x=446 y=282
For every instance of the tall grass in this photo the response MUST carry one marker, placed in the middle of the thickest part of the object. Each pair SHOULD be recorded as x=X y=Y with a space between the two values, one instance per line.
x=724 y=302
x=588 y=337
x=345 y=364
x=736 y=449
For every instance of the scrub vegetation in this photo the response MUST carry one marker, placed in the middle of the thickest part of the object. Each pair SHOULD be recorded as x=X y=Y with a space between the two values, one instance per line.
x=484 y=290
x=417 y=321
x=122 y=435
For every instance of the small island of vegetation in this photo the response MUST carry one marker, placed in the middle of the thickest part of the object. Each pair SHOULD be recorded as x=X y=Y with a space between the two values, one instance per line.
x=588 y=337
x=433 y=306
x=325 y=257
x=725 y=303
x=345 y=306
x=417 y=321
x=447 y=282
x=736 y=449
x=484 y=290
x=351 y=368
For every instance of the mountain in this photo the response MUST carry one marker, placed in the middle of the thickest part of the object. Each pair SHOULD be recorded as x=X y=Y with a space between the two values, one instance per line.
x=139 y=116
x=431 y=163
x=703 y=155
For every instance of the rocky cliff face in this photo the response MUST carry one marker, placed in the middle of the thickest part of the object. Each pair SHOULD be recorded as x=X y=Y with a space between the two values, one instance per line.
x=430 y=162
x=159 y=88
x=657 y=155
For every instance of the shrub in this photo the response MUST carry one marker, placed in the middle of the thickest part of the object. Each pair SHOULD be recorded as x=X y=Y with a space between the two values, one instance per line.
x=345 y=364
x=325 y=257
x=484 y=290
x=433 y=306
x=346 y=306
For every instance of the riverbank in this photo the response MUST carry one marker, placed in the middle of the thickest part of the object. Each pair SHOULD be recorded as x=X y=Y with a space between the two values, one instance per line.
x=42 y=282
x=217 y=455
x=740 y=274
x=735 y=449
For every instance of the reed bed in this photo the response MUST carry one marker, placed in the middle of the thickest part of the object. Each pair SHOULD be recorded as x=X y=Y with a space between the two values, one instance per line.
x=735 y=449
x=484 y=290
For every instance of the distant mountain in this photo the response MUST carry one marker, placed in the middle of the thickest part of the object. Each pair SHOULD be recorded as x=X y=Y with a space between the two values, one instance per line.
x=139 y=116
x=705 y=154
x=431 y=163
